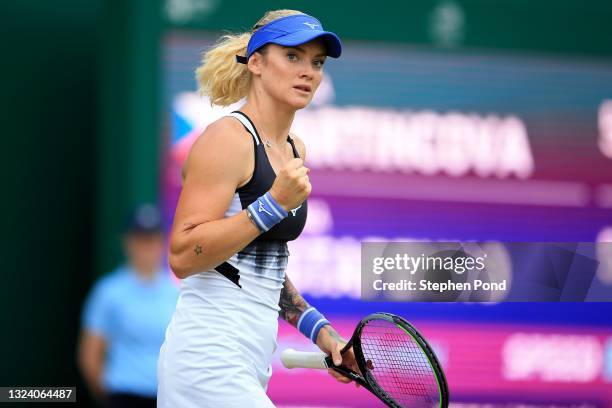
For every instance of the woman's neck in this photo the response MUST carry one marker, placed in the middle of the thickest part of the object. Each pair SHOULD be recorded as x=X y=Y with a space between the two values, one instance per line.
x=273 y=122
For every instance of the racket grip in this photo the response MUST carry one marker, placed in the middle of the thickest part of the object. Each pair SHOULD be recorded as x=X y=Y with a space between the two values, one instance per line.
x=303 y=359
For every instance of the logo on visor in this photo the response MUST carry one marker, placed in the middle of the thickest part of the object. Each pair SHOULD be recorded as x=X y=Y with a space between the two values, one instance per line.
x=312 y=25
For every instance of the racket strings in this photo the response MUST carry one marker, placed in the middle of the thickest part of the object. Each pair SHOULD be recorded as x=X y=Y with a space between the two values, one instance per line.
x=399 y=366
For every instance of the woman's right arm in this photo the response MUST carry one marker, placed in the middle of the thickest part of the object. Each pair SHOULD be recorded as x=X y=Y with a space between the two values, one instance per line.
x=201 y=238
x=220 y=161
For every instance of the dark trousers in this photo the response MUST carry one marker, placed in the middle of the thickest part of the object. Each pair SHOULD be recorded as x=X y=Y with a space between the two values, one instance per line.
x=121 y=400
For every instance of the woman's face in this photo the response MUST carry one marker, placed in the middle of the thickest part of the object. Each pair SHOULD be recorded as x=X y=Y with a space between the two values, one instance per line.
x=291 y=74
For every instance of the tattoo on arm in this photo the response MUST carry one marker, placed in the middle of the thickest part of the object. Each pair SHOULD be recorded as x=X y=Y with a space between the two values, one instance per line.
x=333 y=333
x=291 y=303
x=197 y=249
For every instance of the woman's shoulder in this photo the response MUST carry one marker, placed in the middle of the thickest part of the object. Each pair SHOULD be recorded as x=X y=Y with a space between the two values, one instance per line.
x=227 y=131
x=223 y=134
x=223 y=139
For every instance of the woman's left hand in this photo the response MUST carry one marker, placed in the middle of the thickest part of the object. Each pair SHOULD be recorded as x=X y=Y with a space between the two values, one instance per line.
x=330 y=342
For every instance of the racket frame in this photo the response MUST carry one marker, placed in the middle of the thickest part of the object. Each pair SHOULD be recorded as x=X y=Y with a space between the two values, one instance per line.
x=368 y=381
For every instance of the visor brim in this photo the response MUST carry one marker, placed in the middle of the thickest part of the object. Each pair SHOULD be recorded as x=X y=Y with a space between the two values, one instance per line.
x=332 y=42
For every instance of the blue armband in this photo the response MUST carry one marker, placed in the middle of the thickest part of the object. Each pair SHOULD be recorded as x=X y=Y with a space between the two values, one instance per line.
x=310 y=323
x=266 y=212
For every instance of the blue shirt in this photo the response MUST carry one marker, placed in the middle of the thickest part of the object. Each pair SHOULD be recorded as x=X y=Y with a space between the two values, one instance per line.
x=132 y=315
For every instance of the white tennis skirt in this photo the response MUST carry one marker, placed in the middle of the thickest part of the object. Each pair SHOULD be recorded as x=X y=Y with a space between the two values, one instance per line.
x=221 y=338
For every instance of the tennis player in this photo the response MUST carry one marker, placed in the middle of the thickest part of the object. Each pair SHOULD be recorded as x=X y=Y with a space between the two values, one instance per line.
x=244 y=196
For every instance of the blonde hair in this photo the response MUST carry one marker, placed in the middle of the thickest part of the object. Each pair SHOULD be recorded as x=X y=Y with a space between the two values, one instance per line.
x=219 y=76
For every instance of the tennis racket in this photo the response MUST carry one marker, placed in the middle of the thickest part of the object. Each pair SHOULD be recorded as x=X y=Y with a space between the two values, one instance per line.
x=395 y=362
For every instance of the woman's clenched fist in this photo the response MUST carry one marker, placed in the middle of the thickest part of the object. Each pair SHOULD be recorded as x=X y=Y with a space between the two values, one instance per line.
x=291 y=186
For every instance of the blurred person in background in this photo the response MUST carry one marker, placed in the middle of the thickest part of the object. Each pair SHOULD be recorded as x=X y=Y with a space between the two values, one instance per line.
x=125 y=316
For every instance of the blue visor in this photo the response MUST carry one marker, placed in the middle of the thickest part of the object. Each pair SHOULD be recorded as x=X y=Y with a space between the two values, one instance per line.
x=291 y=31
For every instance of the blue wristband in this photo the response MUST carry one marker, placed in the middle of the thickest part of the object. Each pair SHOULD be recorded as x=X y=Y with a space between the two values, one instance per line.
x=266 y=212
x=310 y=323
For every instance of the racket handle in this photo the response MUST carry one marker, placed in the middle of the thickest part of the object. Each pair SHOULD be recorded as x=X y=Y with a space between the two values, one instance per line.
x=303 y=359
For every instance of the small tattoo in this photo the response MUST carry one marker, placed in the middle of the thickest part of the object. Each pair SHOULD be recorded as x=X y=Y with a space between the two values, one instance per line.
x=334 y=334
x=198 y=250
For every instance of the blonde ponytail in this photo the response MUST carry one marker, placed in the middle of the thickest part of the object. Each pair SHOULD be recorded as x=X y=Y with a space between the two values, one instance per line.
x=220 y=77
